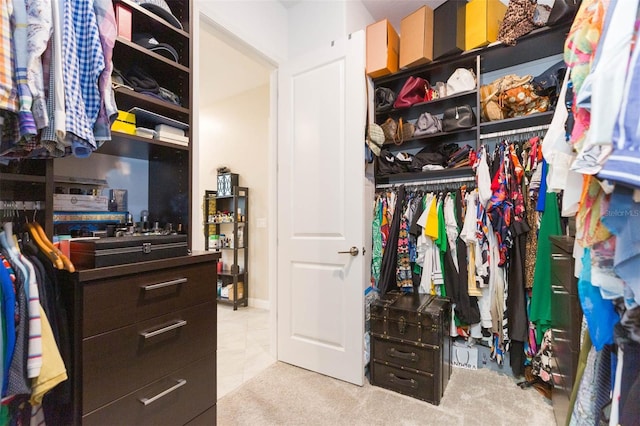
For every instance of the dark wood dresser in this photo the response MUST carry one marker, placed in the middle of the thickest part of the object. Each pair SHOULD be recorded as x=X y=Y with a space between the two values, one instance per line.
x=410 y=346
x=566 y=321
x=144 y=342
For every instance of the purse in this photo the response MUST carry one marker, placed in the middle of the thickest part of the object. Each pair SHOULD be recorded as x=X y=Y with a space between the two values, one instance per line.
x=550 y=81
x=385 y=98
x=375 y=138
x=405 y=131
x=427 y=124
x=457 y=118
x=414 y=90
x=389 y=128
x=461 y=80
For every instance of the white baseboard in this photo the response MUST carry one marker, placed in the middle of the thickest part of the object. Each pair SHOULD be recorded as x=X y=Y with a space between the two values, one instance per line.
x=259 y=303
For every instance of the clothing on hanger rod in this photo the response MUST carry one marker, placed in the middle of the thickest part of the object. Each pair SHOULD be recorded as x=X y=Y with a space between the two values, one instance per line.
x=514 y=131
x=429 y=182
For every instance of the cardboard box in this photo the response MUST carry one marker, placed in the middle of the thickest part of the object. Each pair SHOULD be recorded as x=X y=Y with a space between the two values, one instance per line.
x=416 y=38
x=125 y=123
x=483 y=19
x=123 y=21
x=448 y=39
x=240 y=290
x=382 y=49
x=76 y=202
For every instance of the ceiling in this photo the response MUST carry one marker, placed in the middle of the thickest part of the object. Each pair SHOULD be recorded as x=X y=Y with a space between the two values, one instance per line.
x=241 y=71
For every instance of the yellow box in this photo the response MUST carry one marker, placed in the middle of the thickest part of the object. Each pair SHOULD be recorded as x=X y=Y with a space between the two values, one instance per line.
x=416 y=38
x=125 y=123
x=240 y=290
x=483 y=19
x=382 y=49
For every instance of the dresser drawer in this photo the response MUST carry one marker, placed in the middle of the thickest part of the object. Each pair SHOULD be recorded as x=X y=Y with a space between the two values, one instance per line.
x=126 y=359
x=562 y=272
x=117 y=302
x=405 y=355
x=418 y=385
x=172 y=400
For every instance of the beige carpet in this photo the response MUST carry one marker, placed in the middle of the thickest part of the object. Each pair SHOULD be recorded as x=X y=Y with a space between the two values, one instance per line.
x=287 y=395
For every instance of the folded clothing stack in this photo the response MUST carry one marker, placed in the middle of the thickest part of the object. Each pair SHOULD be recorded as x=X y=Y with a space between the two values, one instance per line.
x=171 y=134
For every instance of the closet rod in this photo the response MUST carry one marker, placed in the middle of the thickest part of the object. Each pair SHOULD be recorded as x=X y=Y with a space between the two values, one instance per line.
x=514 y=131
x=429 y=182
x=21 y=205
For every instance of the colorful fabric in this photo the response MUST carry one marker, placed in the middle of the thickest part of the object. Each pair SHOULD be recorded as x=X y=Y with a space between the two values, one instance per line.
x=39 y=19
x=376 y=256
x=403 y=269
x=108 y=31
x=8 y=89
x=21 y=61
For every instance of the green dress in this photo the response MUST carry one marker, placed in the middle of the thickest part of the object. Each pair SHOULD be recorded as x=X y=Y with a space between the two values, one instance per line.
x=540 y=313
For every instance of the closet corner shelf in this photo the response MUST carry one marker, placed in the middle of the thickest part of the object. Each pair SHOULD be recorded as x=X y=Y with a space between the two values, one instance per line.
x=517 y=122
x=228 y=273
x=141 y=10
x=149 y=53
x=403 y=178
x=10 y=177
x=418 y=142
x=132 y=146
x=453 y=99
x=128 y=99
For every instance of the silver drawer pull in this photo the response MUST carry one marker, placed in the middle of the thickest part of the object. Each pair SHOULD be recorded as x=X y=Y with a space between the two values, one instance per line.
x=164 y=284
x=177 y=324
x=179 y=384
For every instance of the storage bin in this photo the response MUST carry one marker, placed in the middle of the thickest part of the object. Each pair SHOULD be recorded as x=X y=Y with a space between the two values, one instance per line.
x=482 y=22
x=448 y=28
x=383 y=45
x=125 y=123
x=416 y=38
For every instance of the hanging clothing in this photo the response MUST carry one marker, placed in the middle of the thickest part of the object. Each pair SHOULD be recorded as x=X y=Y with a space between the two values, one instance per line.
x=389 y=257
x=541 y=296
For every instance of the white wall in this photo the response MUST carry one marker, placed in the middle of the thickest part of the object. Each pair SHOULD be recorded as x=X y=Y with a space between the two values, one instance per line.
x=314 y=23
x=235 y=133
x=260 y=24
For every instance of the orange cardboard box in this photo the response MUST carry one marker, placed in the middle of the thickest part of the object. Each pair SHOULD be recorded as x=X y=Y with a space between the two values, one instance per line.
x=416 y=38
x=382 y=49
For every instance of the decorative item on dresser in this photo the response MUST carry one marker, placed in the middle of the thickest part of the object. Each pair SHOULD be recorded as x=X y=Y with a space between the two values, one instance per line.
x=410 y=346
x=566 y=315
x=144 y=342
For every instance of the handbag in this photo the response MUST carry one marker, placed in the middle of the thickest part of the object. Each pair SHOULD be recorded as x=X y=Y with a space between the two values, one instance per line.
x=385 y=98
x=562 y=11
x=457 y=118
x=414 y=90
x=375 y=138
x=518 y=20
x=389 y=128
x=490 y=95
x=427 y=124
x=461 y=80
x=405 y=131
x=387 y=164
x=550 y=81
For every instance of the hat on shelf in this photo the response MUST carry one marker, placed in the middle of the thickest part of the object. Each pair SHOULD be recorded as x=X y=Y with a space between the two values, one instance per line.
x=160 y=8
x=149 y=42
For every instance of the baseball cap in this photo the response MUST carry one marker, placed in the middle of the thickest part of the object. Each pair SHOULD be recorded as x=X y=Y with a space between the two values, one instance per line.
x=160 y=8
x=148 y=41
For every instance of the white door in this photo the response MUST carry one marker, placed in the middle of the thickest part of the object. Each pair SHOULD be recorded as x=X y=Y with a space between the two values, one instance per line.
x=321 y=119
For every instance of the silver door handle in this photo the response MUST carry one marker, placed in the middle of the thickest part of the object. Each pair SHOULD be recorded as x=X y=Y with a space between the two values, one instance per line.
x=353 y=251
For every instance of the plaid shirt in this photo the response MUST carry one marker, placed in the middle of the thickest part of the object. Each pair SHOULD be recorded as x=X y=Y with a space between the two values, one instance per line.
x=83 y=64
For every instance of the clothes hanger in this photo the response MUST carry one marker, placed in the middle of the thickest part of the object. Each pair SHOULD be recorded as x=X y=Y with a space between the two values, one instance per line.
x=61 y=260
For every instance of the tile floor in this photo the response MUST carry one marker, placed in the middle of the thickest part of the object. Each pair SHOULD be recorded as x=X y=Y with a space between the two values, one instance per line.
x=243 y=346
